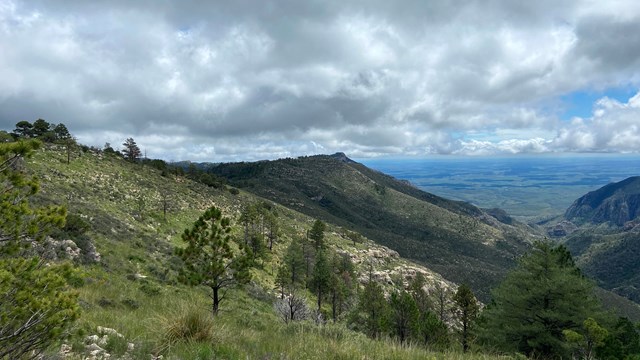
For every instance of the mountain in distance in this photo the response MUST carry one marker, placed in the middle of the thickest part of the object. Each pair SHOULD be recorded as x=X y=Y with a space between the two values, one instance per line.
x=458 y=240
x=615 y=203
x=605 y=238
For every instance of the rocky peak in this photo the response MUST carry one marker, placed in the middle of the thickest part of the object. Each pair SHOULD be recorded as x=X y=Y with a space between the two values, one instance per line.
x=615 y=203
x=342 y=157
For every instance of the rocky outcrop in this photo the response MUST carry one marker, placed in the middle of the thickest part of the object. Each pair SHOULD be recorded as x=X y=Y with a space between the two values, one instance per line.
x=561 y=229
x=616 y=203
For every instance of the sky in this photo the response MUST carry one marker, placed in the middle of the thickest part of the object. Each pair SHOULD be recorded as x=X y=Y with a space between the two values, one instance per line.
x=260 y=79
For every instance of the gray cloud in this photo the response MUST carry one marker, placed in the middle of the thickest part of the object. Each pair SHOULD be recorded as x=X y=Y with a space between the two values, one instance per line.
x=247 y=79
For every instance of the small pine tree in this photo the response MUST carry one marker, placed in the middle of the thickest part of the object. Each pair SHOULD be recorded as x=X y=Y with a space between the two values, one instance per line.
x=316 y=234
x=342 y=283
x=404 y=315
x=372 y=313
x=209 y=257
x=37 y=304
x=321 y=280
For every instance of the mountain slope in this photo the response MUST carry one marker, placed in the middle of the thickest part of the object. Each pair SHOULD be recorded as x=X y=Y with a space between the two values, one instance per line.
x=456 y=239
x=615 y=203
x=606 y=243
x=132 y=287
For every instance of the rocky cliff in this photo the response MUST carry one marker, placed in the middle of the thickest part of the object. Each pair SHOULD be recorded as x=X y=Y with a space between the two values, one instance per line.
x=616 y=203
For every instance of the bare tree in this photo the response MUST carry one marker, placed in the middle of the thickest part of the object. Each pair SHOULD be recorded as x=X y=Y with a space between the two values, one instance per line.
x=292 y=307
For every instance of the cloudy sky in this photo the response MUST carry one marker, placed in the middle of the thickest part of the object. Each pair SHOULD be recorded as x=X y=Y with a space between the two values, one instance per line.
x=260 y=79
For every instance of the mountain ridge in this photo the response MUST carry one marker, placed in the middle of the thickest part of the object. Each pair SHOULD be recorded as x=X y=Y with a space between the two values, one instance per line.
x=616 y=203
x=456 y=239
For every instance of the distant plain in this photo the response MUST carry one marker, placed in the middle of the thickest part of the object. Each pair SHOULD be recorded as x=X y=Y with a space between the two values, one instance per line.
x=529 y=188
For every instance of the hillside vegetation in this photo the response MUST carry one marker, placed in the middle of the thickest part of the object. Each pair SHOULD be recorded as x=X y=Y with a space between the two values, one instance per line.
x=603 y=236
x=131 y=274
x=456 y=239
x=103 y=236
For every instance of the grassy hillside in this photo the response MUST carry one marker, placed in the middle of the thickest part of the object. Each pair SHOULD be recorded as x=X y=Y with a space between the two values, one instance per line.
x=455 y=239
x=132 y=285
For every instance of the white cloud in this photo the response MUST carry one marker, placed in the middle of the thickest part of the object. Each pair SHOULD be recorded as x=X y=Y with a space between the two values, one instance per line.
x=241 y=80
x=614 y=127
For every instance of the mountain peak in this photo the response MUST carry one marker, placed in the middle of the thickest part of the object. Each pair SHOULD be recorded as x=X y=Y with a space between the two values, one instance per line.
x=616 y=203
x=340 y=156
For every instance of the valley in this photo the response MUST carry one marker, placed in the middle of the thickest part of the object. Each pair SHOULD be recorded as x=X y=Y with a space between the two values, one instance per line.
x=529 y=188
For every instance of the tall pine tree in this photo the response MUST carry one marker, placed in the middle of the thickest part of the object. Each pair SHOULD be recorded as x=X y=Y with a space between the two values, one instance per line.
x=545 y=295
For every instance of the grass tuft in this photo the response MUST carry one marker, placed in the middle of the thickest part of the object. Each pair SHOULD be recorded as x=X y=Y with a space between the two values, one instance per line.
x=192 y=325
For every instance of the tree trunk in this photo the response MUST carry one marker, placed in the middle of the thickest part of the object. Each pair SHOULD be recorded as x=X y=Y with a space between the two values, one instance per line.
x=465 y=335
x=216 y=301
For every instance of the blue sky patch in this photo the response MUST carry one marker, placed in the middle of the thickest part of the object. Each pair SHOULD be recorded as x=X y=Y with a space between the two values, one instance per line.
x=580 y=103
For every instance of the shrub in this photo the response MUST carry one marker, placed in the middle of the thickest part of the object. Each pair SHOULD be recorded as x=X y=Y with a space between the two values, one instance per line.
x=150 y=289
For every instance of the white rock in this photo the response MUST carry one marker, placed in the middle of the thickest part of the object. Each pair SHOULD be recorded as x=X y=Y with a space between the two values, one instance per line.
x=91 y=339
x=94 y=347
x=109 y=331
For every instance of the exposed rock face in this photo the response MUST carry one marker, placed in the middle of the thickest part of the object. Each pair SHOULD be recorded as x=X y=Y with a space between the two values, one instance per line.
x=562 y=228
x=616 y=203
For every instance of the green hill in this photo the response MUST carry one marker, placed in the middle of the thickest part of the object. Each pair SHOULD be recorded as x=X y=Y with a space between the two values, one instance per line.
x=456 y=239
x=125 y=220
x=130 y=274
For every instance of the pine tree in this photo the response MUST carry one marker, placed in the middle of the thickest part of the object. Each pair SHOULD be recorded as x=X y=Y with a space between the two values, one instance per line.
x=131 y=150
x=290 y=274
x=466 y=309
x=404 y=314
x=209 y=257
x=545 y=295
x=321 y=279
x=371 y=315
x=429 y=329
x=61 y=132
x=24 y=130
x=342 y=283
x=41 y=129
x=316 y=234
x=36 y=303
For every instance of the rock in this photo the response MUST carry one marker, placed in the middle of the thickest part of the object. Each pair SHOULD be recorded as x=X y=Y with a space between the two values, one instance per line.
x=70 y=248
x=131 y=347
x=65 y=351
x=92 y=254
x=94 y=347
x=563 y=228
x=103 y=340
x=91 y=339
x=109 y=331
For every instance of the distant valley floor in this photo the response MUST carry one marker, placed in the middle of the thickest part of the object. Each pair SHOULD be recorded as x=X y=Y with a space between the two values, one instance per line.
x=527 y=187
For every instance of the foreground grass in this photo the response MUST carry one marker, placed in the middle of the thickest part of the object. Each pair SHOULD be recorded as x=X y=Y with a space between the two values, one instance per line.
x=246 y=328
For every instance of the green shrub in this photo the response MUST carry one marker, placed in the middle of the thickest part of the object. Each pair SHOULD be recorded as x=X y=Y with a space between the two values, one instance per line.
x=150 y=289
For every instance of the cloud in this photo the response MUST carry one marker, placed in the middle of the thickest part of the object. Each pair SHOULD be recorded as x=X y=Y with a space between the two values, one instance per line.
x=248 y=80
x=614 y=127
